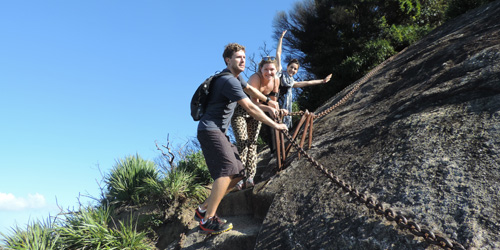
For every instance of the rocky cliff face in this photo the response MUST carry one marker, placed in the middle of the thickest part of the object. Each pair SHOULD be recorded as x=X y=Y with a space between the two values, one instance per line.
x=422 y=136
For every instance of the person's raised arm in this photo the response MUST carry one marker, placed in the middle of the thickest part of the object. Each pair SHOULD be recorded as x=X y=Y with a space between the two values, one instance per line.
x=278 y=51
x=312 y=82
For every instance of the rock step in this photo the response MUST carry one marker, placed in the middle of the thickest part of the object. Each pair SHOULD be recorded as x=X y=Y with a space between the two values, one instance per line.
x=242 y=236
x=236 y=208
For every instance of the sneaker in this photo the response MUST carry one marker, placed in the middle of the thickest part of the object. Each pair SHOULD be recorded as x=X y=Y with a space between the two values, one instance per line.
x=215 y=226
x=240 y=185
x=200 y=215
x=249 y=183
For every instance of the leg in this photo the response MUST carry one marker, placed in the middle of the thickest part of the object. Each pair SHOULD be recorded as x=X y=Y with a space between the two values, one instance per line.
x=212 y=224
x=225 y=168
x=232 y=184
x=253 y=134
x=219 y=189
x=239 y=125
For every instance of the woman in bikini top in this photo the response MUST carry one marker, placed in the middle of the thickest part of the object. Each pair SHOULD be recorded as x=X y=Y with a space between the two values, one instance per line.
x=266 y=81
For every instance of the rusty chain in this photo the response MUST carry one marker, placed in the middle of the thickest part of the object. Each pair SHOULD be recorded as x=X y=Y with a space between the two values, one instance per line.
x=370 y=202
x=356 y=86
x=387 y=213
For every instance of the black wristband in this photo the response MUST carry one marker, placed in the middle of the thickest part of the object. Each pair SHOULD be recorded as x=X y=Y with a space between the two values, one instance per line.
x=267 y=100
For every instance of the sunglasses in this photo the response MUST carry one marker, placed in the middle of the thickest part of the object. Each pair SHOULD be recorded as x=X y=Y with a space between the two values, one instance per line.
x=268 y=58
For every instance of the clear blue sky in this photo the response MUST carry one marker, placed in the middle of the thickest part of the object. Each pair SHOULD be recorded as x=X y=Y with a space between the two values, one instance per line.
x=84 y=83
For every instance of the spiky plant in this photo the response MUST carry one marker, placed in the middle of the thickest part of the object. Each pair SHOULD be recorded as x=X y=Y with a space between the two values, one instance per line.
x=176 y=185
x=127 y=238
x=37 y=235
x=93 y=228
x=195 y=163
x=87 y=227
x=125 y=182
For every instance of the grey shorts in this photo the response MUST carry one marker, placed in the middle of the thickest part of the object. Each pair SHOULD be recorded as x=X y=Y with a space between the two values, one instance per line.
x=221 y=155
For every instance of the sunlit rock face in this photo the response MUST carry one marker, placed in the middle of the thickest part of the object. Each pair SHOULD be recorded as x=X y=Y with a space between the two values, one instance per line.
x=422 y=136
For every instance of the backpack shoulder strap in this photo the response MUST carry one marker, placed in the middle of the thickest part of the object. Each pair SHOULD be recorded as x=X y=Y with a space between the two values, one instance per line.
x=222 y=74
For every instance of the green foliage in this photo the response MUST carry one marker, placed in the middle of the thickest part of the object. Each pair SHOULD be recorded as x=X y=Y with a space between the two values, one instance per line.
x=37 y=235
x=132 y=181
x=128 y=238
x=348 y=38
x=402 y=36
x=264 y=138
x=195 y=163
x=182 y=180
x=177 y=185
x=373 y=53
x=408 y=6
x=261 y=144
x=90 y=228
x=459 y=7
x=126 y=180
x=295 y=119
x=135 y=181
x=87 y=227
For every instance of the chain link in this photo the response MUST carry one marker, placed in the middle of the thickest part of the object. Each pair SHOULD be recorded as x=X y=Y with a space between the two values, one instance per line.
x=371 y=203
x=356 y=86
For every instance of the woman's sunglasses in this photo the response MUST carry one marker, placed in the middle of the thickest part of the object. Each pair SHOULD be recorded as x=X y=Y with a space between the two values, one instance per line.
x=268 y=58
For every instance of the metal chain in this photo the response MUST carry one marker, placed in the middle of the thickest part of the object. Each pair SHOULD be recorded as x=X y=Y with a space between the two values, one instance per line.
x=367 y=200
x=372 y=203
x=356 y=85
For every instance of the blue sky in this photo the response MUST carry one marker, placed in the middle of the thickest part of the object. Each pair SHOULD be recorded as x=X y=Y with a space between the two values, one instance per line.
x=85 y=83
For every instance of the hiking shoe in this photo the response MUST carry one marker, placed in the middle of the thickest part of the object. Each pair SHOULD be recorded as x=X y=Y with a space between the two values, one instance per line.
x=199 y=215
x=239 y=185
x=215 y=226
x=244 y=184
x=249 y=183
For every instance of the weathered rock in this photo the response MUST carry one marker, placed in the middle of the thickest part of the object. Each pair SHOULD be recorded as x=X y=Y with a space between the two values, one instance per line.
x=422 y=136
x=237 y=208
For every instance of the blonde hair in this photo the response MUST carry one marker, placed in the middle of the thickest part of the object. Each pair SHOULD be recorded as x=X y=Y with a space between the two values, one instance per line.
x=266 y=60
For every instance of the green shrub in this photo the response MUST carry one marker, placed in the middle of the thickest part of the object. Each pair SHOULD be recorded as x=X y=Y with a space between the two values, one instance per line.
x=88 y=228
x=93 y=228
x=402 y=36
x=373 y=53
x=195 y=163
x=176 y=185
x=38 y=235
x=126 y=181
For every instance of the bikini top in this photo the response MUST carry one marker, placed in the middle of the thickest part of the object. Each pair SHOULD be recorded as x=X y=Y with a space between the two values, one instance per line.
x=272 y=93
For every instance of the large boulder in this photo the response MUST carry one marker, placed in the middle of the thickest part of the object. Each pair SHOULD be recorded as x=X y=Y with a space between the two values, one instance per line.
x=421 y=136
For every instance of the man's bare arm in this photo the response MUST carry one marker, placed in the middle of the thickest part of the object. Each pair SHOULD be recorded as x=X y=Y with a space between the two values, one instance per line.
x=259 y=115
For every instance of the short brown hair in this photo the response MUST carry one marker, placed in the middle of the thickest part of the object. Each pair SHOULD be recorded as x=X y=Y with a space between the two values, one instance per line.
x=230 y=49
